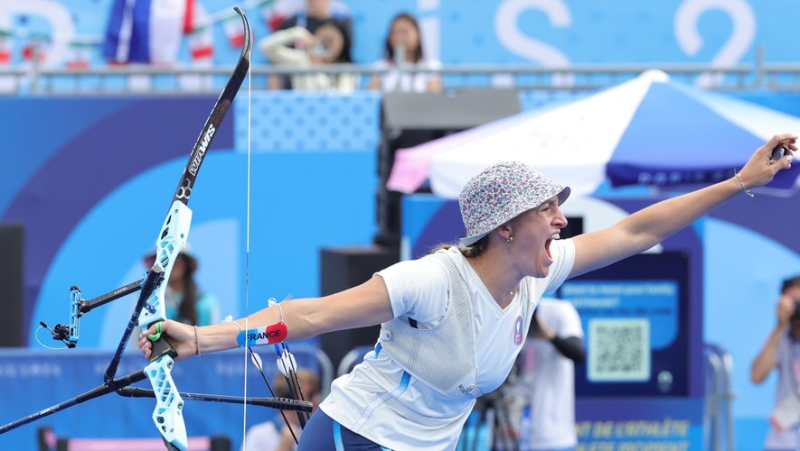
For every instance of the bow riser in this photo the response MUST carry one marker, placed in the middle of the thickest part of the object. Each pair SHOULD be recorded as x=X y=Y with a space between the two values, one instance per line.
x=168 y=413
x=170 y=243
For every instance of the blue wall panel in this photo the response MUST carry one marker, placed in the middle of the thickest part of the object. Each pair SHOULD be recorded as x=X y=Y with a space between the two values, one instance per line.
x=92 y=191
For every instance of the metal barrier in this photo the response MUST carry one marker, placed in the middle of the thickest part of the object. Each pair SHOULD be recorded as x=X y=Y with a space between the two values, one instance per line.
x=142 y=79
x=718 y=415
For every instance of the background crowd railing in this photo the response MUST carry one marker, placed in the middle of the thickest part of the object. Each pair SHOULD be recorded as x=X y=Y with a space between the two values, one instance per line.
x=139 y=79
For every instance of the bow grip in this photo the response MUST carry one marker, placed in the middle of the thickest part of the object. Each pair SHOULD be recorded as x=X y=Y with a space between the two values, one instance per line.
x=162 y=347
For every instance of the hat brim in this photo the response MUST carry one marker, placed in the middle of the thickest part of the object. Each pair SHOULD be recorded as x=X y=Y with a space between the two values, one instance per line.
x=466 y=241
x=470 y=240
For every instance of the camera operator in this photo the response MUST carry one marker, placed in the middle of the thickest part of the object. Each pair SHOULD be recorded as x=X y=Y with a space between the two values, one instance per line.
x=544 y=390
x=782 y=352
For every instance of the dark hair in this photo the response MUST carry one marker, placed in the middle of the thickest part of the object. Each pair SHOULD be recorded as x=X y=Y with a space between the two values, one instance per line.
x=345 y=56
x=187 y=310
x=789 y=283
x=389 y=50
x=475 y=249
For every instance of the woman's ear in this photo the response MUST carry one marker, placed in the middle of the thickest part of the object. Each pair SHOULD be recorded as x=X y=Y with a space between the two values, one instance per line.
x=506 y=230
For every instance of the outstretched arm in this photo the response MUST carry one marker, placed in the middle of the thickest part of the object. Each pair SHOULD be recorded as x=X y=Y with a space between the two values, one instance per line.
x=277 y=46
x=767 y=359
x=365 y=305
x=648 y=227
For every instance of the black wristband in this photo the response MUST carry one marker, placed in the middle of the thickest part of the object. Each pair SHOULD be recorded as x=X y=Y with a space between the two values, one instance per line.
x=570 y=347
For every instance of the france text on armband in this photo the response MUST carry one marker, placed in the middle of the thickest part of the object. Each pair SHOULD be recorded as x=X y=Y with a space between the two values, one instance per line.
x=275 y=333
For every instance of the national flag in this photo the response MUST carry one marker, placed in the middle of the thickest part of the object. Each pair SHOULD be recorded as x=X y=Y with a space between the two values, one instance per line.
x=5 y=47
x=198 y=27
x=201 y=44
x=234 y=31
x=145 y=31
x=36 y=47
x=7 y=82
x=80 y=55
x=275 y=12
x=200 y=34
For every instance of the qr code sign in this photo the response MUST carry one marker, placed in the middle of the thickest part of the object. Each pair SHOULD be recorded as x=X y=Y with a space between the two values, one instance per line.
x=619 y=350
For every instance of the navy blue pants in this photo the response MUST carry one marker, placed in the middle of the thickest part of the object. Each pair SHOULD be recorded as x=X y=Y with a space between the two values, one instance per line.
x=322 y=433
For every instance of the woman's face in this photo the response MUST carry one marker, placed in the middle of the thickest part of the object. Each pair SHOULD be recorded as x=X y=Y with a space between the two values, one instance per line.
x=331 y=39
x=794 y=293
x=533 y=232
x=404 y=34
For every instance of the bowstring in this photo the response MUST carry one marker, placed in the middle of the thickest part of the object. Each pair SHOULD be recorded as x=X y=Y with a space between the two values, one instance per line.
x=247 y=277
x=247 y=250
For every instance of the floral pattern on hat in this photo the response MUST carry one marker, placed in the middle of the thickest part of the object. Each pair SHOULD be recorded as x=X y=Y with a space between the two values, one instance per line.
x=502 y=192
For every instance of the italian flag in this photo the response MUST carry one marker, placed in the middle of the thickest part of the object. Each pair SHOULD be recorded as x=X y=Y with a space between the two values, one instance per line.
x=80 y=55
x=234 y=31
x=36 y=45
x=200 y=32
x=275 y=12
x=5 y=47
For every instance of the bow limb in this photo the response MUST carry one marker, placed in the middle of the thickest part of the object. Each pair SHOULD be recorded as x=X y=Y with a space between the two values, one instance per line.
x=167 y=415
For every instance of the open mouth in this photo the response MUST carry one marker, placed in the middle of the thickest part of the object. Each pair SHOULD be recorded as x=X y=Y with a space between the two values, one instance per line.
x=547 y=244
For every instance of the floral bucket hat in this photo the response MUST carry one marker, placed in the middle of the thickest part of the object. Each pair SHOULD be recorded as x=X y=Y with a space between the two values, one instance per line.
x=502 y=192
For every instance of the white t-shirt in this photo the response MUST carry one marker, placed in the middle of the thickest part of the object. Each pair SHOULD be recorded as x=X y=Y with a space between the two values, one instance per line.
x=374 y=400
x=786 y=387
x=547 y=381
x=395 y=81
x=262 y=437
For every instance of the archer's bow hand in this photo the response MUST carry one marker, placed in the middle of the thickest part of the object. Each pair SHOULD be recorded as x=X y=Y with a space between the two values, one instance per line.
x=180 y=336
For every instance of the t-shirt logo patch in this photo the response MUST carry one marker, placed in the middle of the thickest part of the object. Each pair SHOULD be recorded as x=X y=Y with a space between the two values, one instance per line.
x=518 y=331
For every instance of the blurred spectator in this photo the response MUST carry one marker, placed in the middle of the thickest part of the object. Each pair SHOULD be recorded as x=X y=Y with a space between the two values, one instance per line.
x=782 y=353
x=274 y=435
x=403 y=50
x=546 y=384
x=308 y=14
x=329 y=44
x=316 y=12
x=185 y=301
